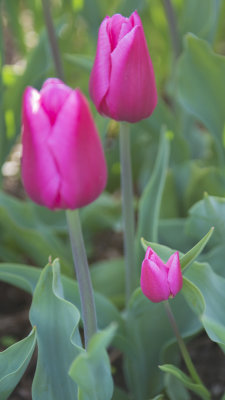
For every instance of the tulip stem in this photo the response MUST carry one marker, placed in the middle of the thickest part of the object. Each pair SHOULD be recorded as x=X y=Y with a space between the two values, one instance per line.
x=128 y=209
x=171 y=18
x=186 y=357
x=83 y=275
x=52 y=39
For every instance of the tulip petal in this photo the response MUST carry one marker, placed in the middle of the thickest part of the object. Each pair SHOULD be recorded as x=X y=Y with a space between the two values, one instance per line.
x=132 y=92
x=77 y=150
x=154 y=282
x=175 y=279
x=152 y=256
x=114 y=28
x=39 y=172
x=53 y=95
x=100 y=74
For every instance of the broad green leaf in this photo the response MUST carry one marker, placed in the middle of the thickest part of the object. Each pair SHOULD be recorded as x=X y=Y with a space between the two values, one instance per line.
x=91 y=369
x=193 y=296
x=149 y=205
x=201 y=85
x=196 y=388
x=26 y=277
x=58 y=339
x=13 y=363
x=204 y=27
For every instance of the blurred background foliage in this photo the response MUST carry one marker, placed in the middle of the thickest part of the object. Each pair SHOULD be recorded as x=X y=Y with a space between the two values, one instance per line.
x=178 y=156
x=188 y=57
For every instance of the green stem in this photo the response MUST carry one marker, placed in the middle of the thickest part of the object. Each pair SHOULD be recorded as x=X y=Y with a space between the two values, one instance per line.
x=171 y=18
x=52 y=39
x=186 y=357
x=128 y=209
x=83 y=275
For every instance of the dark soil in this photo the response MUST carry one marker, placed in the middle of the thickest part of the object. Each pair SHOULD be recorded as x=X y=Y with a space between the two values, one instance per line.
x=14 y=325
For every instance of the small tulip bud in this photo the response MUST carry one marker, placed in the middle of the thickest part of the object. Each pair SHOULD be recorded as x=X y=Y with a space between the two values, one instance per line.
x=160 y=281
x=122 y=83
x=63 y=164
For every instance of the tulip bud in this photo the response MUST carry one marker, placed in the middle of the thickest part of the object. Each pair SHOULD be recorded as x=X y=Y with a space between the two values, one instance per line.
x=122 y=83
x=160 y=281
x=63 y=164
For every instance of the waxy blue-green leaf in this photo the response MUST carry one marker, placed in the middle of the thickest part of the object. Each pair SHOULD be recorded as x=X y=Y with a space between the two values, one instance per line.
x=193 y=296
x=58 y=338
x=194 y=387
x=26 y=277
x=91 y=369
x=13 y=363
x=149 y=205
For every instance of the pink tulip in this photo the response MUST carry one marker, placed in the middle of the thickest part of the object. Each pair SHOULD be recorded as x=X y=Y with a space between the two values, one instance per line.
x=160 y=281
x=63 y=164
x=122 y=83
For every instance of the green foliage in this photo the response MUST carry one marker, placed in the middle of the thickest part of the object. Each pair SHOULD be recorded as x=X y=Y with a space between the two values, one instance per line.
x=201 y=79
x=149 y=204
x=194 y=387
x=91 y=369
x=13 y=363
x=58 y=338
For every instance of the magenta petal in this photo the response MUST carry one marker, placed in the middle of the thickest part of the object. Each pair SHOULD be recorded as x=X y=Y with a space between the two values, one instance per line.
x=100 y=74
x=53 y=96
x=78 y=153
x=132 y=92
x=114 y=28
x=154 y=283
x=39 y=173
x=152 y=256
x=175 y=279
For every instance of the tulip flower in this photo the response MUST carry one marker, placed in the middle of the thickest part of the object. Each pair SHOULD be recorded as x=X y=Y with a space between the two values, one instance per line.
x=160 y=281
x=63 y=164
x=122 y=83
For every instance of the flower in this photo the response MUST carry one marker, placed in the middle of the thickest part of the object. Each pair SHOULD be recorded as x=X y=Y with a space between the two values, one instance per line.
x=160 y=281
x=122 y=82
x=63 y=164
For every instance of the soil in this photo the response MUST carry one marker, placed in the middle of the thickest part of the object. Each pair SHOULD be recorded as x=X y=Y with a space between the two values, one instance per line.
x=14 y=325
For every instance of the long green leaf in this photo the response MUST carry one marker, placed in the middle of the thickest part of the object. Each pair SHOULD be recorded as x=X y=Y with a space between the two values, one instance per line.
x=149 y=206
x=13 y=363
x=196 y=388
x=58 y=339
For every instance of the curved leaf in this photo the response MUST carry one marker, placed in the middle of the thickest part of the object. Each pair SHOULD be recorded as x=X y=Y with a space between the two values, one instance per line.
x=58 y=339
x=13 y=363
x=196 y=388
x=91 y=369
